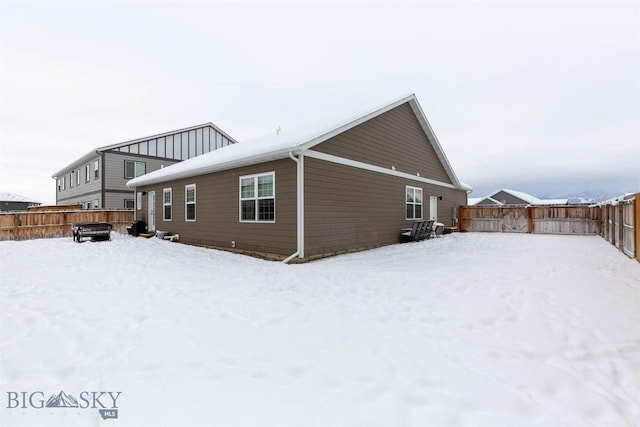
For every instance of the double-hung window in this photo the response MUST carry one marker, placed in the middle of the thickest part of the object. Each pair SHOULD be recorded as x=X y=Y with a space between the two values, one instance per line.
x=71 y=180
x=96 y=169
x=166 y=204
x=133 y=169
x=87 y=169
x=78 y=177
x=258 y=198
x=190 y=202
x=414 y=202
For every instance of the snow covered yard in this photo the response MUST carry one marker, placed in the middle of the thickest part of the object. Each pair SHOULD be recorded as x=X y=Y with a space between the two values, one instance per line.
x=467 y=330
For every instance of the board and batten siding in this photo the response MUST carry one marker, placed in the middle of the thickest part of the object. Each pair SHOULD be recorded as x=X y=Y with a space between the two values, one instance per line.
x=393 y=139
x=350 y=209
x=218 y=210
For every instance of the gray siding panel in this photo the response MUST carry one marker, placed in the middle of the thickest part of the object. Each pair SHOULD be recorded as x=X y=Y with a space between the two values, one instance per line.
x=78 y=193
x=394 y=138
x=509 y=199
x=217 y=210
x=348 y=208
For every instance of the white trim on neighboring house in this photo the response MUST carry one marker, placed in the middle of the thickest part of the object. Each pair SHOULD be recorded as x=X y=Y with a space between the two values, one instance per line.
x=187 y=202
x=255 y=197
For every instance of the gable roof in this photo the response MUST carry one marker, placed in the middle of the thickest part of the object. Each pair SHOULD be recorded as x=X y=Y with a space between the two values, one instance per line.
x=12 y=197
x=279 y=145
x=525 y=197
x=93 y=153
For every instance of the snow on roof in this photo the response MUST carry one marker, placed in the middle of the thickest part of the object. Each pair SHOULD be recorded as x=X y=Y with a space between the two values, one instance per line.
x=532 y=200
x=12 y=197
x=279 y=144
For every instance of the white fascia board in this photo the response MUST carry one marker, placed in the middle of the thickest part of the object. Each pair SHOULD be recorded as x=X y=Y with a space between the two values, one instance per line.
x=373 y=168
x=153 y=178
x=71 y=166
x=337 y=131
x=431 y=136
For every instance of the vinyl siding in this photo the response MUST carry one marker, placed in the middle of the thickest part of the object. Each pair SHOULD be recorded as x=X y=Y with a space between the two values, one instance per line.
x=114 y=168
x=217 y=210
x=394 y=138
x=349 y=209
x=81 y=191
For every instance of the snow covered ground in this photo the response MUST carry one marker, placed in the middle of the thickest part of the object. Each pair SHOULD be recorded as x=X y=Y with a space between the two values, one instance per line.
x=466 y=330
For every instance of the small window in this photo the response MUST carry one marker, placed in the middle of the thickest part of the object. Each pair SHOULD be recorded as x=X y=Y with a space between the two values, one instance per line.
x=87 y=205
x=64 y=182
x=133 y=169
x=257 y=198
x=59 y=184
x=129 y=203
x=96 y=203
x=71 y=180
x=166 y=204
x=96 y=169
x=78 y=177
x=190 y=202
x=87 y=172
x=139 y=200
x=414 y=202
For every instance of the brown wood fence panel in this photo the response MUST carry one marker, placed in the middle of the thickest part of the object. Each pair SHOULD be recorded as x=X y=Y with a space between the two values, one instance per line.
x=531 y=219
x=36 y=225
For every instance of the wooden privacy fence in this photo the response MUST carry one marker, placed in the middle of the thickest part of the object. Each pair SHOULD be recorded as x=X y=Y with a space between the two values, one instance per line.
x=621 y=224
x=36 y=225
x=617 y=221
x=576 y=219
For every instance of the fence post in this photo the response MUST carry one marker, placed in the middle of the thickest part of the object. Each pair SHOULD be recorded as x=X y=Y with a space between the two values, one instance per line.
x=529 y=219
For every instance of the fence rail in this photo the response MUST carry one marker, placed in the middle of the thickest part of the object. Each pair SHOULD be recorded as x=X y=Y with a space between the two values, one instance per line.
x=44 y=224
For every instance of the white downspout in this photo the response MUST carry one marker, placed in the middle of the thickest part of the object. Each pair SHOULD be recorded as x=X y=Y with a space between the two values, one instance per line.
x=299 y=207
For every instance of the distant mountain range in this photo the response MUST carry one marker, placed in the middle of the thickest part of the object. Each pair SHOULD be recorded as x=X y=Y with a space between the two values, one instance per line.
x=587 y=197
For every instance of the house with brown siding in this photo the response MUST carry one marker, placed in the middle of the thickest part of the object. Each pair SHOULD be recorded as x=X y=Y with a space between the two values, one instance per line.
x=309 y=193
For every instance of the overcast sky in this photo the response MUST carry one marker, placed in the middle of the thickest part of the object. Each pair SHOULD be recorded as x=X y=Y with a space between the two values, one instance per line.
x=542 y=97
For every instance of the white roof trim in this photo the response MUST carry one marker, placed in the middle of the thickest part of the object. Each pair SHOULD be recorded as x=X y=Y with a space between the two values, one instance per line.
x=232 y=156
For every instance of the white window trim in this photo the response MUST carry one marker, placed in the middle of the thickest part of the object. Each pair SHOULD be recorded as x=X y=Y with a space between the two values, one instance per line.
x=139 y=201
x=135 y=164
x=195 y=202
x=87 y=173
x=164 y=203
x=96 y=171
x=78 y=177
x=256 y=198
x=71 y=180
x=413 y=203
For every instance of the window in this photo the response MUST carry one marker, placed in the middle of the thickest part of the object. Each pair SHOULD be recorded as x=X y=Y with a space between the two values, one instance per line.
x=190 y=202
x=133 y=169
x=64 y=182
x=59 y=184
x=96 y=169
x=257 y=197
x=87 y=171
x=414 y=202
x=71 y=180
x=139 y=200
x=96 y=203
x=78 y=177
x=129 y=204
x=166 y=204
x=87 y=205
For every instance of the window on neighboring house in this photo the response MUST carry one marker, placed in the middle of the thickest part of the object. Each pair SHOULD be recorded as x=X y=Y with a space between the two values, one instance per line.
x=59 y=184
x=96 y=203
x=87 y=205
x=139 y=200
x=87 y=171
x=64 y=182
x=133 y=169
x=78 y=177
x=71 y=180
x=414 y=202
x=96 y=169
x=190 y=202
x=257 y=197
x=166 y=204
x=129 y=203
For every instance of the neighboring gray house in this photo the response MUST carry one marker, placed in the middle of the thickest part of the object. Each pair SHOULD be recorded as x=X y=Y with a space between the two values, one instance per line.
x=98 y=179
x=511 y=197
x=14 y=202
x=349 y=185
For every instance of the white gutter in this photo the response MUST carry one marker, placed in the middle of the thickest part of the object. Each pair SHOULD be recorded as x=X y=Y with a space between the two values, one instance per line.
x=299 y=206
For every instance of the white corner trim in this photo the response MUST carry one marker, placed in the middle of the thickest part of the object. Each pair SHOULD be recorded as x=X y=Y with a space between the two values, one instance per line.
x=373 y=168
